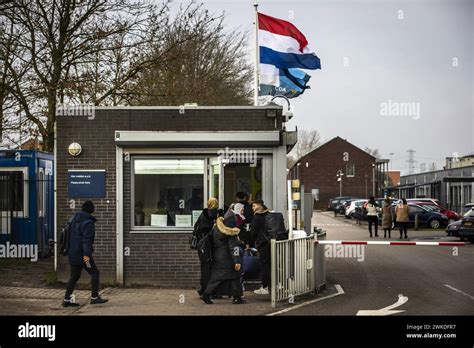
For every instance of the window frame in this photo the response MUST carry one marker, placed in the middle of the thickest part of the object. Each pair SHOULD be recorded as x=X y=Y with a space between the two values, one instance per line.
x=353 y=172
x=163 y=229
x=26 y=189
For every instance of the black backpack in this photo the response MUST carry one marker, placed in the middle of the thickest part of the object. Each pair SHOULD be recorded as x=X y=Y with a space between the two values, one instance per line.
x=204 y=248
x=275 y=226
x=64 y=237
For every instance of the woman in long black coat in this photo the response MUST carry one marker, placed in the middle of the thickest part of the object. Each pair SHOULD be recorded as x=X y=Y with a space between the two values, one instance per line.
x=202 y=227
x=226 y=259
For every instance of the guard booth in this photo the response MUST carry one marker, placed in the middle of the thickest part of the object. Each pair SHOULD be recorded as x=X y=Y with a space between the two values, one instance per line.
x=151 y=170
x=27 y=199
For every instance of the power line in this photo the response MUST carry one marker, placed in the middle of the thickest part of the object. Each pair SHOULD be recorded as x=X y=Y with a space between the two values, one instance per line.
x=411 y=161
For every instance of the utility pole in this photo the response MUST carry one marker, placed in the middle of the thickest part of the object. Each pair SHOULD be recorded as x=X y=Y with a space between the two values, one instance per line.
x=411 y=161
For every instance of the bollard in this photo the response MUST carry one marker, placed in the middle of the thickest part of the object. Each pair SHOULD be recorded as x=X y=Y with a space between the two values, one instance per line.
x=416 y=222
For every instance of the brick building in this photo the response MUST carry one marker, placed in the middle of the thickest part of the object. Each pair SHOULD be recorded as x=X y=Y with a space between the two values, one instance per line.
x=318 y=171
x=150 y=171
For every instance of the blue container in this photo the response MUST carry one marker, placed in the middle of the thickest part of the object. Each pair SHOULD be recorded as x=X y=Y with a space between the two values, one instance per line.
x=27 y=199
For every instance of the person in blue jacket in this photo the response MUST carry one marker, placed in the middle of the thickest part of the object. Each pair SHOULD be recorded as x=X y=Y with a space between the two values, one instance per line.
x=81 y=240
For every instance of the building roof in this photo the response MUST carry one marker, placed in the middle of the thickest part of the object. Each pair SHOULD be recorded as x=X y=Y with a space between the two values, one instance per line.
x=329 y=142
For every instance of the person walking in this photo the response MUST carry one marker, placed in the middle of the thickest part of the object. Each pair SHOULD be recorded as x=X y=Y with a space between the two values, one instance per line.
x=403 y=217
x=372 y=217
x=81 y=240
x=202 y=227
x=226 y=261
x=258 y=236
x=387 y=218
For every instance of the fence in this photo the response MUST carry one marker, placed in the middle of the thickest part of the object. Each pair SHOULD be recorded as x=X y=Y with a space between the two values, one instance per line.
x=292 y=272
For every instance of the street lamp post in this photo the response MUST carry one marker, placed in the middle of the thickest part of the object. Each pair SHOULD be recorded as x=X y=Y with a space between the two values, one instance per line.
x=366 y=186
x=373 y=179
x=339 y=176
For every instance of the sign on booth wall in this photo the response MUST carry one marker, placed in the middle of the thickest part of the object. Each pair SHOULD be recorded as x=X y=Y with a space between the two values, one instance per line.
x=86 y=183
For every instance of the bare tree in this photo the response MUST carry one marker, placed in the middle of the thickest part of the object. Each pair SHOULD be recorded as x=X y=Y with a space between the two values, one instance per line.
x=308 y=140
x=373 y=152
x=89 y=51
x=209 y=69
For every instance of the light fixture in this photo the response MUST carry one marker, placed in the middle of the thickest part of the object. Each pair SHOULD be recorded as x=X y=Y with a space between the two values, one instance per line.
x=75 y=149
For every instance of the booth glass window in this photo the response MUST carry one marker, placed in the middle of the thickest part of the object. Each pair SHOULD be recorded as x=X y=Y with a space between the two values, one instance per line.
x=167 y=192
x=12 y=191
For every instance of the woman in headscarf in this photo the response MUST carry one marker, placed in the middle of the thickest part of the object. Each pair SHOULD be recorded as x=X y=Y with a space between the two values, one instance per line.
x=226 y=260
x=202 y=227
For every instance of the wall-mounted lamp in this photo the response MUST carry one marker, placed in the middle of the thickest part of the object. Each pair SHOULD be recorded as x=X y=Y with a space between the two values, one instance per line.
x=74 y=149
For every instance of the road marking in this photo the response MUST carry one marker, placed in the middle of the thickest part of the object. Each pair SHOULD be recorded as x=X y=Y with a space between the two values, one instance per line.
x=386 y=310
x=339 y=289
x=459 y=291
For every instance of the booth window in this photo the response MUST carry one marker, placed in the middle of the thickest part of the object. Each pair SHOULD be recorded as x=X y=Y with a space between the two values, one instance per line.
x=167 y=192
x=13 y=192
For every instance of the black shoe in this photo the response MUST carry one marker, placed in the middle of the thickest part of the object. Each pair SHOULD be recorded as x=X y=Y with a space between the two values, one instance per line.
x=98 y=300
x=67 y=303
x=206 y=299
x=238 y=300
x=406 y=236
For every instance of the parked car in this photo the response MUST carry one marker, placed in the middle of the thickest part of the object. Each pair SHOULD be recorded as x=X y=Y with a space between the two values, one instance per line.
x=336 y=201
x=341 y=208
x=431 y=200
x=451 y=214
x=426 y=218
x=351 y=208
x=467 y=207
x=466 y=226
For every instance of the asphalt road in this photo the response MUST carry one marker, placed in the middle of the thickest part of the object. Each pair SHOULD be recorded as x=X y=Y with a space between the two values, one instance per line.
x=435 y=280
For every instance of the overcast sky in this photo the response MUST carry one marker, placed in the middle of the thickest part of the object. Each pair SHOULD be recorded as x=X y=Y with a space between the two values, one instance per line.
x=374 y=52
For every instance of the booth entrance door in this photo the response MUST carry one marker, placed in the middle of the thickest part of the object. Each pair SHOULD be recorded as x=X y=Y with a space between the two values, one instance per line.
x=216 y=180
x=226 y=179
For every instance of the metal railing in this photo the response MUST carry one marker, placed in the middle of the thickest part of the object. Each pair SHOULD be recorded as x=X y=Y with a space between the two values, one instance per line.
x=292 y=272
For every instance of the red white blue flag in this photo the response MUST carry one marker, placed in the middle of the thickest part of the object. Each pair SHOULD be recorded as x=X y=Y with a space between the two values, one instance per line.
x=283 y=51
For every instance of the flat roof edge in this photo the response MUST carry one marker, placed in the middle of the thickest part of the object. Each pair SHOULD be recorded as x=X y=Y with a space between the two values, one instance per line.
x=203 y=107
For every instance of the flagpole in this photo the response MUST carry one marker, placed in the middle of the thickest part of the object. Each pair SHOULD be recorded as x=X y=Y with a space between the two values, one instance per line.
x=257 y=59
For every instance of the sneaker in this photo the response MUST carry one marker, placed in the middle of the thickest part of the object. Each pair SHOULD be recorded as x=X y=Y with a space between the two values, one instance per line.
x=262 y=291
x=98 y=300
x=69 y=303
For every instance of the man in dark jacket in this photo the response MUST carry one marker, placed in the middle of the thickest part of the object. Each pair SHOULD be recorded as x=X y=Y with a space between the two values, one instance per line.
x=81 y=240
x=258 y=234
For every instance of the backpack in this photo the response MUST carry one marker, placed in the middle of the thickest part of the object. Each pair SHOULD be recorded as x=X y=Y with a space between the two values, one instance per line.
x=204 y=248
x=64 y=237
x=275 y=227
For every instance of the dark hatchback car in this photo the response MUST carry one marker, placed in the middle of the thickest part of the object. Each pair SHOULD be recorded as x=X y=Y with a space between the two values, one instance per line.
x=336 y=201
x=464 y=228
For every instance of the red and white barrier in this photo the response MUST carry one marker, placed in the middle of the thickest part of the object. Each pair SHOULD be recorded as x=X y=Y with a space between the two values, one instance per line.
x=370 y=242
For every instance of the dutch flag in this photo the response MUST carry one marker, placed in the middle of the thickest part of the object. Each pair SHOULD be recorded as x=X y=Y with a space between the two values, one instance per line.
x=283 y=51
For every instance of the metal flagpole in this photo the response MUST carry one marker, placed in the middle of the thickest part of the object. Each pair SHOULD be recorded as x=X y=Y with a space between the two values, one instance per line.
x=257 y=59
